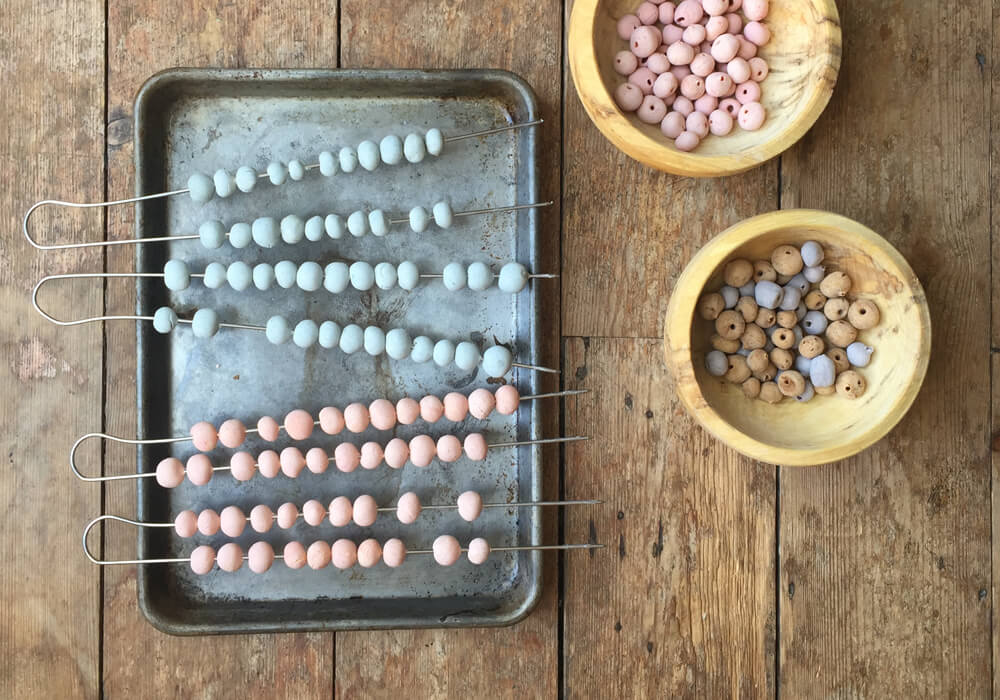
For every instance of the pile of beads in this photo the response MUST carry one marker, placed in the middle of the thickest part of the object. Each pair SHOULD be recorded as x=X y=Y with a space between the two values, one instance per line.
x=778 y=336
x=692 y=67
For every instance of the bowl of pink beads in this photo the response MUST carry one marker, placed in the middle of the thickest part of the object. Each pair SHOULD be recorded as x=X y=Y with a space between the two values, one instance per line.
x=704 y=88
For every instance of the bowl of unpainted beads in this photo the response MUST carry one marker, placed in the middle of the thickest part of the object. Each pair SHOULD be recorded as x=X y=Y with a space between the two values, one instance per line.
x=730 y=85
x=828 y=301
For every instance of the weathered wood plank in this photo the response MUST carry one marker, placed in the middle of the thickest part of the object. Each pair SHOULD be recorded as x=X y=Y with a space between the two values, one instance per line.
x=992 y=64
x=51 y=142
x=885 y=558
x=146 y=37
x=524 y=38
x=682 y=602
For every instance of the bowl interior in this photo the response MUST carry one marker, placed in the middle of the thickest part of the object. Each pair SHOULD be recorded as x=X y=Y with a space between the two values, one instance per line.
x=800 y=54
x=827 y=424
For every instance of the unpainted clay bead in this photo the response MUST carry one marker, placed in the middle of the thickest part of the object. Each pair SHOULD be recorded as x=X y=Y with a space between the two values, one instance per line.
x=770 y=393
x=841 y=334
x=791 y=383
x=851 y=385
x=769 y=373
x=863 y=314
x=811 y=346
x=787 y=319
x=786 y=260
x=738 y=371
x=738 y=272
x=730 y=324
x=716 y=363
x=763 y=271
x=815 y=300
x=753 y=337
x=858 y=354
x=758 y=360
x=751 y=388
x=836 y=309
x=748 y=307
x=766 y=318
x=782 y=359
x=825 y=390
x=724 y=345
x=783 y=338
x=836 y=284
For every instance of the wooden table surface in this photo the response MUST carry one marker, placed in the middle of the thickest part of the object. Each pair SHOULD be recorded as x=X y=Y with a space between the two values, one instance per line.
x=870 y=578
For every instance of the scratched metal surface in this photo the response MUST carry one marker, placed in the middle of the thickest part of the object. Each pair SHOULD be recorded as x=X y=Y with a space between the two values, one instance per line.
x=200 y=120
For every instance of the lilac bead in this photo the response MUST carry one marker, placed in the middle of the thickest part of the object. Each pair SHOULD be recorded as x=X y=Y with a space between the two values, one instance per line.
x=790 y=299
x=807 y=394
x=716 y=363
x=697 y=123
x=814 y=274
x=645 y=41
x=688 y=12
x=667 y=12
x=702 y=65
x=706 y=104
x=725 y=48
x=692 y=87
x=643 y=79
x=683 y=105
x=859 y=354
x=665 y=85
x=648 y=13
x=801 y=310
x=672 y=34
x=812 y=253
x=673 y=125
x=720 y=122
x=758 y=68
x=735 y=23
x=658 y=63
x=747 y=289
x=815 y=323
x=731 y=106
x=730 y=295
x=748 y=49
x=687 y=141
x=718 y=84
x=738 y=69
x=652 y=110
x=756 y=10
x=627 y=25
x=752 y=116
x=626 y=63
x=822 y=371
x=748 y=92
x=802 y=365
x=758 y=33
x=628 y=97
x=799 y=281
x=715 y=7
x=680 y=54
x=694 y=35
x=716 y=27
x=768 y=294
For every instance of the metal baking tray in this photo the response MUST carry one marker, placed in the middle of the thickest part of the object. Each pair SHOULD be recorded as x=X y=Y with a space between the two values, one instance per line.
x=188 y=120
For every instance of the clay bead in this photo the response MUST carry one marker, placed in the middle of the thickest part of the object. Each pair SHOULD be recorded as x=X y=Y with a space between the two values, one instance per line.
x=758 y=360
x=626 y=63
x=782 y=359
x=756 y=10
x=758 y=68
x=769 y=373
x=627 y=25
x=786 y=260
x=648 y=13
x=787 y=319
x=716 y=27
x=841 y=334
x=836 y=309
x=643 y=79
x=666 y=85
x=711 y=305
x=680 y=54
x=814 y=275
x=859 y=354
x=738 y=371
x=766 y=318
x=694 y=35
x=658 y=63
x=836 y=284
x=851 y=385
x=644 y=41
x=716 y=363
x=730 y=325
x=753 y=337
x=628 y=97
x=725 y=48
x=722 y=345
x=825 y=390
x=673 y=125
x=688 y=12
x=652 y=110
x=738 y=272
x=738 y=69
x=791 y=383
x=783 y=338
x=815 y=300
x=751 y=388
x=720 y=122
x=811 y=346
x=768 y=294
x=719 y=84
x=838 y=356
x=748 y=307
x=697 y=123
x=862 y=314
x=770 y=393
x=763 y=271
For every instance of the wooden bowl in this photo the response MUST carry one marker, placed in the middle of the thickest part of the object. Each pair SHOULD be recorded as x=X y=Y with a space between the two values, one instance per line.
x=804 y=56
x=828 y=428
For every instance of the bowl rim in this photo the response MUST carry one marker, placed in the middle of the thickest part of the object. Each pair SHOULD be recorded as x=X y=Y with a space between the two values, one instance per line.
x=680 y=317
x=600 y=106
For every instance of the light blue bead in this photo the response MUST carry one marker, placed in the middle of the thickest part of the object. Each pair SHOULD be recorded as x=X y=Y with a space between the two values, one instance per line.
x=348 y=159
x=314 y=229
x=362 y=276
x=296 y=170
x=390 y=149
x=205 y=323
x=309 y=276
x=480 y=277
x=397 y=344
x=225 y=183
x=293 y=229
x=265 y=232
x=277 y=330
x=329 y=334
x=202 y=187
x=246 y=178
x=497 y=361
x=215 y=275
x=812 y=253
x=327 y=164
x=414 y=148
x=378 y=222
x=368 y=155
x=374 y=341
x=306 y=333
x=240 y=235
x=385 y=275
x=277 y=173
x=336 y=277
x=822 y=371
x=423 y=349
x=444 y=353
x=285 y=273
x=263 y=276
x=730 y=295
x=859 y=354
x=419 y=219
x=799 y=282
x=352 y=339
x=716 y=363
x=807 y=394
x=176 y=275
x=212 y=234
x=434 y=141
x=357 y=224
x=815 y=323
x=454 y=277
x=513 y=278
x=802 y=365
x=814 y=274
x=790 y=299
x=164 y=320
x=407 y=275
x=334 y=225
x=443 y=215
x=747 y=289
x=239 y=275
x=767 y=294
x=467 y=356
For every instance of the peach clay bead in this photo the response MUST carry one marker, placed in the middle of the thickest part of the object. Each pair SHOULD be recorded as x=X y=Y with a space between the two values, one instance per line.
x=665 y=85
x=687 y=141
x=199 y=469
x=408 y=508
x=702 y=65
x=697 y=123
x=369 y=553
x=208 y=522
x=757 y=33
x=186 y=523
x=371 y=455
x=718 y=85
x=268 y=429
x=475 y=447
x=230 y=557
x=739 y=70
x=393 y=552
x=706 y=104
x=626 y=63
x=260 y=557
x=479 y=551
x=422 y=450
x=232 y=521
x=667 y=10
x=680 y=72
x=317 y=460
x=683 y=105
x=720 y=122
x=344 y=554
x=318 y=555
x=449 y=448
x=627 y=25
x=446 y=548
x=680 y=54
x=470 y=506
x=288 y=514
x=694 y=35
x=752 y=116
x=456 y=406
x=645 y=41
x=241 y=466
x=658 y=63
x=261 y=518
x=756 y=10
x=692 y=87
x=735 y=5
x=508 y=399
x=716 y=27
x=204 y=436
x=202 y=559
x=383 y=414
x=365 y=510
x=735 y=23
x=652 y=110
x=648 y=13
x=481 y=404
x=671 y=35
x=431 y=408
x=356 y=417
x=643 y=79
x=758 y=68
x=299 y=424
x=347 y=457
x=748 y=92
x=731 y=106
x=748 y=49
x=313 y=512
x=673 y=125
x=331 y=420
x=341 y=511
x=232 y=433
x=396 y=453
x=688 y=12
x=269 y=464
x=715 y=8
x=294 y=555
x=407 y=411
x=725 y=48
x=292 y=462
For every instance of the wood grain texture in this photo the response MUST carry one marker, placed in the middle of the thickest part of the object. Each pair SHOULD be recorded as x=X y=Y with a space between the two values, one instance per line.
x=525 y=38
x=885 y=558
x=51 y=139
x=146 y=37
x=682 y=602
x=992 y=64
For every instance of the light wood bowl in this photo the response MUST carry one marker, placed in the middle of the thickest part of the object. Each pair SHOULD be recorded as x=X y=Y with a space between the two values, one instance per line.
x=804 y=56
x=828 y=428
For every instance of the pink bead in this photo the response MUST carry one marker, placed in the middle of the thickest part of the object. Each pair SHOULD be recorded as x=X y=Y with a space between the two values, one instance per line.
x=748 y=49
x=680 y=72
x=705 y=47
x=667 y=10
x=446 y=548
x=356 y=417
x=716 y=27
x=341 y=511
x=666 y=85
x=687 y=141
x=371 y=455
x=422 y=450
x=313 y=512
x=735 y=23
x=365 y=510
x=407 y=411
x=456 y=407
x=230 y=557
x=299 y=424
x=673 y=125
x=683 y=105
x=680 y=54
x=449 y=448
x=718 y=84
x=261 y=518
x=672 y=34
x=720 y=122
x=644 y=41
x=643 y=79
x=369 y=553
x=344 y=554
x=204 y=436
x=393 y=552
x=706 y=104
x=758 y=69
x=470 y=505
x=347 y=457
x=752 y=116
x=431 y=408
x=658 y=63
x=626 y=63
x=735 y=5
x=697 y=123
x=232 y=433
x=731 y=106
x=652 y=110
x=702 y=65
x=627 y=25
x=756 y=10
x=508 y=399
x=186 y=524
x=232 y=521
x=260 y=557
x=748 y=92
x=692 y=87
x=317 y=460
x=199 y=469
x=408 y=508
x=688 y=12
x=331 y=420
x=481 y=404
x=383 y=414
x=268 y=429
x=292 y=462
x=202 y=559
x=396 y=453
x=694 y=35
x=241 y=466
x=208 y=522
x=758 y=33
x=318 y=555
x=288 y=514
x=725 y=48
x=715 y=7
x=475 y=447
x=269 y=464
x=294 y=555
x=479 y=551
x=648 y=13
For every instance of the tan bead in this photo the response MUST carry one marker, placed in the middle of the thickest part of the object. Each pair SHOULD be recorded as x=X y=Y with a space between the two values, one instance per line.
x=758 y=360
x=763 y=271
x=787 y=319
x=836 y=309
x=711 y=305
x=863 y=314
x=751 y=388
x=768 y=374
x=841 y=334
x=753 y=337
x=791 y=383
x=730 y=324
x=787 y=260
x=825 y=390
x=782 y=359
x=784 y=279
x=738 y=272
x=840 y=361
x=836 y=284
x=851 y=385
x=770 y=393
x=748 y=307
x=738 y=371
x=811 y=346
x=727 y=346
x=815 y=300
x=783 y=338
x=766 y=318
